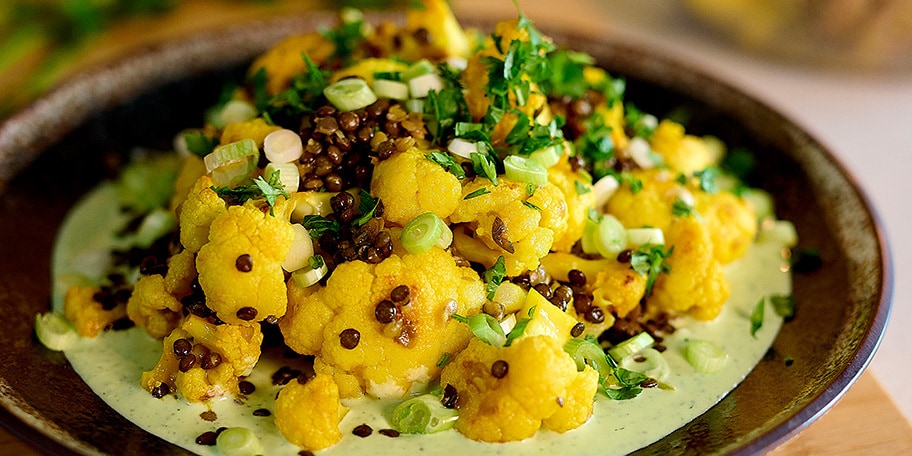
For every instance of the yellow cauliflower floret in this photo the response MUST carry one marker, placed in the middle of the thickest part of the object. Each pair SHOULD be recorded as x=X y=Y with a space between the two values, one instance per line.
x=284 y=61
x=86 y=314
x=245 y=236
x=652 y=205
x=237 y=345
x=308 y=415
x=577 y=405
x=197 y=212
x=167 y=366
x=444 y=33
x=539 y=379
x=682 y=153
x=393 y=358
x=256 y=129
x=696 y=283
x=410 y=185
x=200 y=385
x=192 y=168
x=732 y=224
x=618 y=289
x=528 y=231
x=152 y=307
x=563 y=177
x=181 y=272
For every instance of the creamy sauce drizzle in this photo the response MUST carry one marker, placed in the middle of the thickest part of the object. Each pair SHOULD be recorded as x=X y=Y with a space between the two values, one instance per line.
x=112 y=363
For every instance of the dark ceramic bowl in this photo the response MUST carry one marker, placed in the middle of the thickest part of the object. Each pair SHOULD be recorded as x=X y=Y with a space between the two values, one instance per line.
x=57 y=149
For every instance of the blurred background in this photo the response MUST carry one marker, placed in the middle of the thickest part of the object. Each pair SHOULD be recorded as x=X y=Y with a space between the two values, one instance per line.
x=840 y=68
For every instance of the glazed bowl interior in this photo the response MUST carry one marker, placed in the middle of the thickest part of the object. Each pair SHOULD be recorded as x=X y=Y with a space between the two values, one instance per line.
x=59 y=148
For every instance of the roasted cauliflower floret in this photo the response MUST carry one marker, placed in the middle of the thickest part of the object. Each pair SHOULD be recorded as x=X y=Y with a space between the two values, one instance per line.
x=539 y=382
x=86 y=314
x=220 y=354
x=502 y=224
x=578 y=204
x=681 y=152
x=696 y=283
x=445 y=36
x=410 y=185
x=181 y=273
x=152 y=307
x=308 y=414
x=732 y=224
x=393 y=355
x=285 y=60
x=197 y=212
x=241 y=265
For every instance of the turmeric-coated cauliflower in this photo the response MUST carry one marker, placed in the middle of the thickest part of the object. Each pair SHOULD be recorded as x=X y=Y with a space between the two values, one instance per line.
x=502 y=224
x=152 y=307
x=197 y=212
x=540 y=381
x=308 y=414
x=391 y=355
x=285 y=60
x=256 y=129
x=86 y=314
x=681 y=152
x=579 y=199
x=240 y=268
x=410 y=185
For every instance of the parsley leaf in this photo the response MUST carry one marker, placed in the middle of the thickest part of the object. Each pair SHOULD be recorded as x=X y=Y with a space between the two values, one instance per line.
x=629 y=381
x=494 y=276
x=517 y=330
x=367 y=207
x=447 y=163
x=707 y=178
x=270 y=189
x=444 y=360
x=581 y=188
x=784 y=305
x=484 y=165
x=649 y=260
x=531 y=206
x=756 y=317
x=301 y=97
x=347 y=35
x=317 y=225
x=681 y=208
x=199 y=143
x=638 y=123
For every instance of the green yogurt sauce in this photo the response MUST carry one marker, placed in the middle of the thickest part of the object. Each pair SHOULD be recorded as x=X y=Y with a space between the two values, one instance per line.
x=111 y=364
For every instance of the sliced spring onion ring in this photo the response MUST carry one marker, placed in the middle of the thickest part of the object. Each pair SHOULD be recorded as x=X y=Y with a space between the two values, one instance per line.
x=283 y=146
x=631 y=346
x=608 y=237
x=238 y=441
x=647 y=361
x=289 y=175
x=423 y=415
x=394 y=90
x=548 y=156
x=302 y=248
x=706 y=357
x=638 y=149
x=231 y=153
x=350 y=94
x=154 y=225
x=423 y=232
x=604 y=189
x=420 y=86
x=419 y=68
x=309 y=275
x=462 y=148
x=522 y=169
x=54 y=331
x=487 y=328
x=587 y=353
x=642 y=236
x=236 y=111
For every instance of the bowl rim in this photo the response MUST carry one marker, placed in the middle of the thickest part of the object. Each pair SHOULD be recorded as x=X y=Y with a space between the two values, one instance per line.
x=250 y=38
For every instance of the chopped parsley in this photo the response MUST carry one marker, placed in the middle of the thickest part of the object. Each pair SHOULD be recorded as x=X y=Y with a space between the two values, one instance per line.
x=301 y=97
x=444 y=360
x=477 y=193
x=520 y=327
x=494 y=276
x=316 y=225
x=630 y=384
x=484 y=165
x=199 y=143
x=346 y=36
x=581 y=188
x=707 y=179
x=639 y=124
x=445 y=109
x=447 y=163
x=783 y=305
x=756 y=317
x=367 y=207
x=532 y=206
x=649 y=260
x=681 y=208
x=269 y=189
x=316 y=261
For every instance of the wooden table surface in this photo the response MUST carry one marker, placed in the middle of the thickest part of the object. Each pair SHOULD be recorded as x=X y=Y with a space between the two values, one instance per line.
x=864 y=422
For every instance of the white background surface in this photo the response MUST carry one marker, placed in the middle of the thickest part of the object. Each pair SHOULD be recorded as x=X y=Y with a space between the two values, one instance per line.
x=865 y=120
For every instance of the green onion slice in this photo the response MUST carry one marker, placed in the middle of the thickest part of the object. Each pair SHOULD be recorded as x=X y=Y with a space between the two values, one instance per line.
x=647 y=361
x=350 y=94
x=588 y=353
x=548 y=156
x=238 y=441
x=631 y=346
x=394 y=90
x=706 y=357
x=424 y=232
x=487 y=328
x=527 y=170
x=423 y=415
x=244 y=149
x=310 y=274
x=54 y=331
x=607 y=237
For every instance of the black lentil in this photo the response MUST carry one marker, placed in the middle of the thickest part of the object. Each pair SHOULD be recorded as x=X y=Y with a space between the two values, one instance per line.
x=385 y=312
x=576 y=278
x=186 y=363
x=305 y=453
x=349 y=338
x=582 y=303
x=543 y=289
x=594 y=314
x=262 y=412
x=246 y=387
x=210 y=360
x=499 y=235
x=500 y=368
x=649 y=383
x=577 y=330
x=401 y=295
x=362 y=430
x=246 y=313
x=389 y=432
x=625 y=256
x=307 y=374
x=450 y=396
x=161 y=390
x=207 y=438
x=182 y=347
x=561 y=297
x=284 y=375
x=244 y=263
